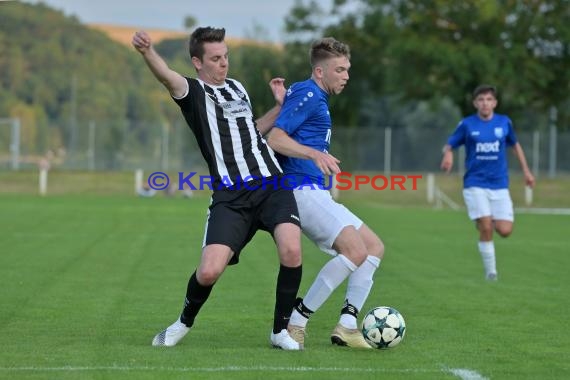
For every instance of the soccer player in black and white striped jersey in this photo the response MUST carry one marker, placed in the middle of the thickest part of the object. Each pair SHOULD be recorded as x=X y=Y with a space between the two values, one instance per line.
x=218 y=111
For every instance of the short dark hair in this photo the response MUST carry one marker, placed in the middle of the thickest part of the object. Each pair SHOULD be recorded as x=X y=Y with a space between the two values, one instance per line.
x=483 y=89
x=326 y=48
x=201 y=36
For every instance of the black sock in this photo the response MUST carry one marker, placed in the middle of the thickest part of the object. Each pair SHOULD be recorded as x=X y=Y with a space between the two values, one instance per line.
x=288 y=282
x=349 y=309
x=196 y=296
x=302 y=309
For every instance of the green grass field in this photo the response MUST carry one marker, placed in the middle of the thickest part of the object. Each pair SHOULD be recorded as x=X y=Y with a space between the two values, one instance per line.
x=87 y=280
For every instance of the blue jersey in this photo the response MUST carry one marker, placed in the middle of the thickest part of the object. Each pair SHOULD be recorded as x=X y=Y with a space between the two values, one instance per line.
x=305 y=118
x=486 y=143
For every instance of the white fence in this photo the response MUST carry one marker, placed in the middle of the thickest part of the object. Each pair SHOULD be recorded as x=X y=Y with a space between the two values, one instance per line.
x=122 y=146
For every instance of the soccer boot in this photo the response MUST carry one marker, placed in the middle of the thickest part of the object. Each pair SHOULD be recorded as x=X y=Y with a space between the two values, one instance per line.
x=171 y=335
x=284 y=341
x=348 y=337
x=298 y=334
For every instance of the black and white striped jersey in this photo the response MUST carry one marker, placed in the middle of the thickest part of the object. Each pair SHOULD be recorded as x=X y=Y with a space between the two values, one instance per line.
x=223 y=124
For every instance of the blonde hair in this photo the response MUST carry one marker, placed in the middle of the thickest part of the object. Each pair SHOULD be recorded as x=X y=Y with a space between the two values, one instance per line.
x=326 y=48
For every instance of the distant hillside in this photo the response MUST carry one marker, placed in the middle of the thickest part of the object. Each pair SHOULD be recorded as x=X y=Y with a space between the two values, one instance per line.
x=124 y=34
x=58 y=75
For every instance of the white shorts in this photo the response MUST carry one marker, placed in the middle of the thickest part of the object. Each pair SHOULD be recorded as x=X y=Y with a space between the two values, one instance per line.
x=322 y=218
x=486 y=202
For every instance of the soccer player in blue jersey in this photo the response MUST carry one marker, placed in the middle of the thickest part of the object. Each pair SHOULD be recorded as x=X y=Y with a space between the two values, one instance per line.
x=301 y=136
x=486 y=136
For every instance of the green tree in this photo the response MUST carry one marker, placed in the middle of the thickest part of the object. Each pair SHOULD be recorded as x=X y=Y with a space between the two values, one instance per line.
x=190 y=22
x=65 y=74
x=429 y=49
x=254 y=64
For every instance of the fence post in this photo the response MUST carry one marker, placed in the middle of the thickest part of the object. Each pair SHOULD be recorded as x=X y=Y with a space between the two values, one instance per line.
x=387 y=151
x=44 y=166
x=535 y=152
x=15 y=144
x=552 y=143
x=91 y=147
x=430 y=188
x=528 y=195
x=138 y=180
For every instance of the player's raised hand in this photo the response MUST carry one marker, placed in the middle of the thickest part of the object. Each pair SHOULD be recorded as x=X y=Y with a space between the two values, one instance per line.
x=278 y=88
x=141 y=41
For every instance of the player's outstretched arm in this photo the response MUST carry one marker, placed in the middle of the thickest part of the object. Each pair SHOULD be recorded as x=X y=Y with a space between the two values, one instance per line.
x=281 y=142
x=528 y=177
x=447 y=160
x=174 y=82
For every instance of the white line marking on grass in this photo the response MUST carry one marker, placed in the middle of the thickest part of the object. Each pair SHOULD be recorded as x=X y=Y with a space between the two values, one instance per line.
x=544 y=211
x=217 y=369
x=466 y=374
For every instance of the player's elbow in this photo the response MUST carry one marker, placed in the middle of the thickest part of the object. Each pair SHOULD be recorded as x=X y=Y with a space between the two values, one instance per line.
x=272 y=139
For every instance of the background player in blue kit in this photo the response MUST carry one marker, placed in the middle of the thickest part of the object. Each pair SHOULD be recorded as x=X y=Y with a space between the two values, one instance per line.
x=301 y=135
x=486 y=135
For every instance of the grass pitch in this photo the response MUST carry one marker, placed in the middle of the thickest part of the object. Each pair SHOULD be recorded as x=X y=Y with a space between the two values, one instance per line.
x=87 y=281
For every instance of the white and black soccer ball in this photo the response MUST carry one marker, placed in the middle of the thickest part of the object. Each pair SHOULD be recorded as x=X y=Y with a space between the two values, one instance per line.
x=383 y=327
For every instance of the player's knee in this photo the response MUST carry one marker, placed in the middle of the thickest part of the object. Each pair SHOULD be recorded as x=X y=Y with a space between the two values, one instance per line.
x=208 y=276
x=376 y=248
x=290 y=255
x=486 y=229
x=357 y=256
x=504 y=231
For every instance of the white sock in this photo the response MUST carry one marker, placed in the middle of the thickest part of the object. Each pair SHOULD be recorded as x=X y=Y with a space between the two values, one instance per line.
x=487 y=251
x=297 y=319
x=359 y=285
x=329 y=278
x=349 y=321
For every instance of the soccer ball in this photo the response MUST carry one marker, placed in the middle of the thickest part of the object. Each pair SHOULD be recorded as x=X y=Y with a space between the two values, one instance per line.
x=383 y=327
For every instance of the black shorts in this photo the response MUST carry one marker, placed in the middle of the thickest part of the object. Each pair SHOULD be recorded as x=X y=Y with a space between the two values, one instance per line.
x=235 y=215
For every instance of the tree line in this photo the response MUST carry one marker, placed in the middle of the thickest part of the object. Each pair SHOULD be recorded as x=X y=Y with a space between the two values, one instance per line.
x=414 y=65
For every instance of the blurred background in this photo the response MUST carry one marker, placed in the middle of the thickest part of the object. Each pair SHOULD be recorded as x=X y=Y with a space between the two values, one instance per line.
x=76 y=98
